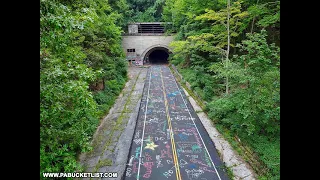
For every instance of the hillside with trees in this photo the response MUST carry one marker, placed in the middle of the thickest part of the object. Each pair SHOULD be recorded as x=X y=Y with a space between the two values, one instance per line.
x=234 y=46
x=82 y=71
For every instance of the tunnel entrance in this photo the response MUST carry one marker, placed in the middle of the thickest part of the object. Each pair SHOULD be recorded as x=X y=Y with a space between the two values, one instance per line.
x=157 y=56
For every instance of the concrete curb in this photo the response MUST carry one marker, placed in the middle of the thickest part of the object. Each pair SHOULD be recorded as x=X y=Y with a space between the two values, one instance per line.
x=113 y=141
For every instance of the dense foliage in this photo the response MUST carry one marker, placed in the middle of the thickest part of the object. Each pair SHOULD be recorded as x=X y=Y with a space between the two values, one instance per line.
x=82 y=70
x=234 y=46
x=146 y=10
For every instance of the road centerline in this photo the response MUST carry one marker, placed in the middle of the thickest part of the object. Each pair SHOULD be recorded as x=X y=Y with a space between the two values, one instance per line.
x=174 y=152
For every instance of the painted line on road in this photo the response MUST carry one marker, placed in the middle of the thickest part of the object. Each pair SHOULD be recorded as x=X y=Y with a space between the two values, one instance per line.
x=173 y=145
x=144 y=125
x=196 y=126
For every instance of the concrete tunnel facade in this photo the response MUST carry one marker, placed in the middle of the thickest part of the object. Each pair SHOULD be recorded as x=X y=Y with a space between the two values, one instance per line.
x=140 y=48
x=146 y=46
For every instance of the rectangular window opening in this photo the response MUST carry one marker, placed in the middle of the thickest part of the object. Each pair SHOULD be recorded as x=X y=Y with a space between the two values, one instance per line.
x=131 y=50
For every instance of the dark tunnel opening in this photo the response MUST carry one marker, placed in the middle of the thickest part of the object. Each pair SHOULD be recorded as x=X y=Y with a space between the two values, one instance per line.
x=158 y=56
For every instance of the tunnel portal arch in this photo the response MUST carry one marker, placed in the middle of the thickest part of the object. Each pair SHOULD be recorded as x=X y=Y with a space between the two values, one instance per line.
x=148 y=51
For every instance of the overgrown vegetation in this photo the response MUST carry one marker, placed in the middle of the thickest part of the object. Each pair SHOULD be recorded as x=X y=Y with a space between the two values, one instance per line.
x=146 y=10
x=234 y=47
x=82 y=70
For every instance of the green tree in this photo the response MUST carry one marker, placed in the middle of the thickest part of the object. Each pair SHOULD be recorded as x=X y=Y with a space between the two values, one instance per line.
x=226 y=23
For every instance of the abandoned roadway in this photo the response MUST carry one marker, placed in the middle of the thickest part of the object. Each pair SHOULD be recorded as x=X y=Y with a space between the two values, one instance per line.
x=169 y=140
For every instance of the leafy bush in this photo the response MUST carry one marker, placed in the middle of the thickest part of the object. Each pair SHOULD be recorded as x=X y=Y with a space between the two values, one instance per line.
x=67 y=115
x=106 y=98
x=201 y=82
x=268 y=151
